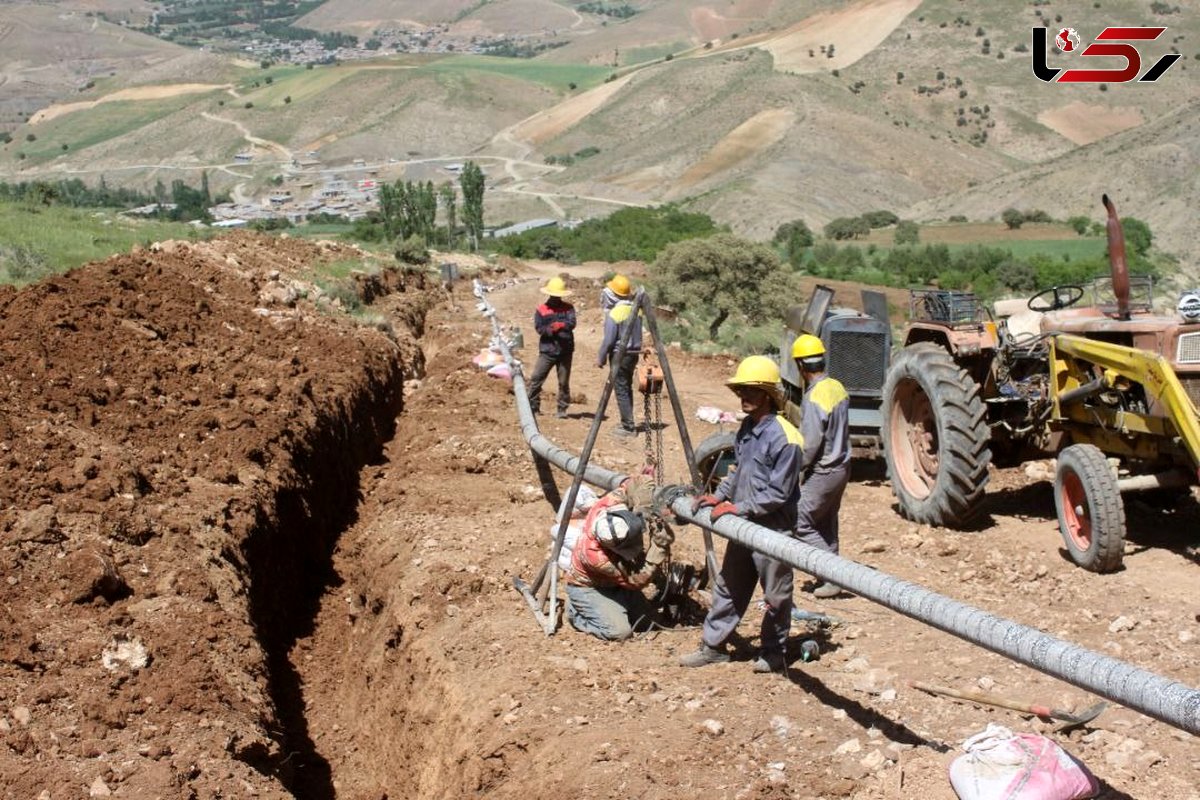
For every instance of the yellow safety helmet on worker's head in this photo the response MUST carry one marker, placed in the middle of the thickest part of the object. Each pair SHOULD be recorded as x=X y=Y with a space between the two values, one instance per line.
x=620 y=285
x=755 y=371
x=556 y=287
x=760 y=372
x=807 y=346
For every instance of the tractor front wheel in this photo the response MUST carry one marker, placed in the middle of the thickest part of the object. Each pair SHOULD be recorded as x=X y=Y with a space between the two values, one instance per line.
x=1091 y=516
x=714 y=457
x=935 y=437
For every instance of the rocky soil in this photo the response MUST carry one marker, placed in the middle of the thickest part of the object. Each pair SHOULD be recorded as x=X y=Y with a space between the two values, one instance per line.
x=256 y=547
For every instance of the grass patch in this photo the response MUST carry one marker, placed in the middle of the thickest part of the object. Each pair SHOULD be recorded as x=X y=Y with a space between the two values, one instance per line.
x=38 y=242
x=83 y=129
x=525 y=69
x=1048 y=239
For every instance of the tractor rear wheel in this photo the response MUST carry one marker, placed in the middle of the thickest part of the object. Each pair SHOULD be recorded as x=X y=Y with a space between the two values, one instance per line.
x=935 y=437
x=1091 y=516
x=714 y=456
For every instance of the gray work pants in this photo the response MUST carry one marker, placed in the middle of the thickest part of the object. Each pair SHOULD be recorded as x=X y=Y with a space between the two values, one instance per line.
x=541 y=370
x=741 y=569
x=820 y=499
x=623 y=389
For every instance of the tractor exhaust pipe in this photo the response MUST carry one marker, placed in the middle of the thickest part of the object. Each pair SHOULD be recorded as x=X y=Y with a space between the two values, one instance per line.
x=1116 y=259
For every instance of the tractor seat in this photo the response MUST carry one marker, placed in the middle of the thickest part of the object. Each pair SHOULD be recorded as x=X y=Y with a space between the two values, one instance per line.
x=1022 y=322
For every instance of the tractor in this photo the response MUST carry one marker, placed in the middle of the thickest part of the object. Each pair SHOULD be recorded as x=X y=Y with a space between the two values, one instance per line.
x=859 y=348
x=1109 y=388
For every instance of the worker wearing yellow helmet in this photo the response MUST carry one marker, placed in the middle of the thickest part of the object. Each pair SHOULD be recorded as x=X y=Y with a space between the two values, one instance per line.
x=825 y=459
x=617 y=303
x=554 y=320
x=765 y=489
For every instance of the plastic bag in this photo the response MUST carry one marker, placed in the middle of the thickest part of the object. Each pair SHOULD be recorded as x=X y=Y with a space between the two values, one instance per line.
x=1001 y=765
x=487 y=358
x=574 y=531
x=501 y=371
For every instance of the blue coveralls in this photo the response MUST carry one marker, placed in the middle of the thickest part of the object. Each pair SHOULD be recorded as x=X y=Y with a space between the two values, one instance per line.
x=765 y=487
x=613 y=331
x=825 y=463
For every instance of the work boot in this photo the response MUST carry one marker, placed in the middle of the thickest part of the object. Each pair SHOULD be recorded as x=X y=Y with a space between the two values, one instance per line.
x=704 y=656
x=772 y=661
x=827 y=590
x=561 y=413
x=624 y=432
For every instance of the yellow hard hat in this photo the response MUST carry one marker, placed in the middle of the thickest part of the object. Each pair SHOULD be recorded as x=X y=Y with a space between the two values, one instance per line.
x=620 y=285
x=807 y=346
x=556 y=287
x=755 y=371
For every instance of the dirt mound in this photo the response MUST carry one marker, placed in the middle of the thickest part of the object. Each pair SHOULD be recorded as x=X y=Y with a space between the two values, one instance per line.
x=178 y=456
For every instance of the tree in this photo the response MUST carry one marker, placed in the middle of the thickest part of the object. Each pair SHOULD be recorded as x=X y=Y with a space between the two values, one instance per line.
x=472 y=183
x=1137 y=235
x=449 y=200
x=907 y=232
x=847 y=228
x=796 y=237
x=720 y=276
x=1012 y=218
x=1079 y=224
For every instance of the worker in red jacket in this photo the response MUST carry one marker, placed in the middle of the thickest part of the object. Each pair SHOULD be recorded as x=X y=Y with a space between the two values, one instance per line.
x=554 y=320
x=610 y=565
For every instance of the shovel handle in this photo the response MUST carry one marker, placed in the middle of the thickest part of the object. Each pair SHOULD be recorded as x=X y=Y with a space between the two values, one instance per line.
x=986 y=699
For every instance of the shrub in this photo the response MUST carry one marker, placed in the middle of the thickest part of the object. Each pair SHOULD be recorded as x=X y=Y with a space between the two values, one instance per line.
x=907 y=232
x=412 y=250
x=1012 y=218
x=1079 y=224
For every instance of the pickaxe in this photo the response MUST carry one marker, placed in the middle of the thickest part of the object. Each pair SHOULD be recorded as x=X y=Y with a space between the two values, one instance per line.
x=1071 y=720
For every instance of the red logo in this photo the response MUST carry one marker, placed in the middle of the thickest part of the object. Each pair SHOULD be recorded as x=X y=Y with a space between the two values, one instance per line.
x=1112 y=42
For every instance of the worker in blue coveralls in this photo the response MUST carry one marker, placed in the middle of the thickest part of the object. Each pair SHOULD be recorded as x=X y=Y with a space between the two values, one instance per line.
x=764 y=488
x=825 y=462
x=617 y=303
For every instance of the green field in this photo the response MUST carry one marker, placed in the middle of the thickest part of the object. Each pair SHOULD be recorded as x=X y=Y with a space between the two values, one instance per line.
x=36 y=242
x=83 y=129
x=531 y=70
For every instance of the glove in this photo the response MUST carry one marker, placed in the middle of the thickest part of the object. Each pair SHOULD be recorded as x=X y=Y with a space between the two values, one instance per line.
x=656 y=554
x=663 y=537
x=721 y=509
x=704 y=501
x=556 y=327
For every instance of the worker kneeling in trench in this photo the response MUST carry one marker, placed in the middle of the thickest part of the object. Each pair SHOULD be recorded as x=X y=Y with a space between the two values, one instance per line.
x=610 y=563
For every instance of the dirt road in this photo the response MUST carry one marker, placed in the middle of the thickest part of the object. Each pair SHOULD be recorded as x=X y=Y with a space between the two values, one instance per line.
x=238 y=563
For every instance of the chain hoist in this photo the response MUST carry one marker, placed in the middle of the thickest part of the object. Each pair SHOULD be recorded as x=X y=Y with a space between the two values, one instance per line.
x=650 y=384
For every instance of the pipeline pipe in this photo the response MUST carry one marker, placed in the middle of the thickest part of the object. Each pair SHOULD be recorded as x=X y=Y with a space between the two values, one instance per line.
x=1156 y=696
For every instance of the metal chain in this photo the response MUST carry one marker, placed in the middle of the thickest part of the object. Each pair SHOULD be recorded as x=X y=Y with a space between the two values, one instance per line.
x=647 y=421
x=658 y=435
x=652 y=417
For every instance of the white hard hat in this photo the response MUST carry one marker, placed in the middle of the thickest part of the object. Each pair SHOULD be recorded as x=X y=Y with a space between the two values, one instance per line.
x=618 y=528
x=1189 y=306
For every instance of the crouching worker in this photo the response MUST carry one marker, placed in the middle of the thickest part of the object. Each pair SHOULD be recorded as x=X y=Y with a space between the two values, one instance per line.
x=610 y=564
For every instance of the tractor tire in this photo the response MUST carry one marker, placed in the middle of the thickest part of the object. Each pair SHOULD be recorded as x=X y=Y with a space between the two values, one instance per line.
x=714 y=455
x=1091 y=515
x=935 y=437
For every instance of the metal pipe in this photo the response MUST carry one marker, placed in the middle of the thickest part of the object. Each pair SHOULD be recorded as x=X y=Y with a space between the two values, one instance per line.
x=1171 y=479
x=1163 y=699
x=1155 y=696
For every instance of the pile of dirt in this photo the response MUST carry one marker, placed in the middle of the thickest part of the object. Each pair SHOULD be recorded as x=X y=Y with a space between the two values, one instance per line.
x=181 y=430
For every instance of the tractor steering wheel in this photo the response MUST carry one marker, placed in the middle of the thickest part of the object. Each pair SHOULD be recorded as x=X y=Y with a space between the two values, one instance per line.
x=1057 y=297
